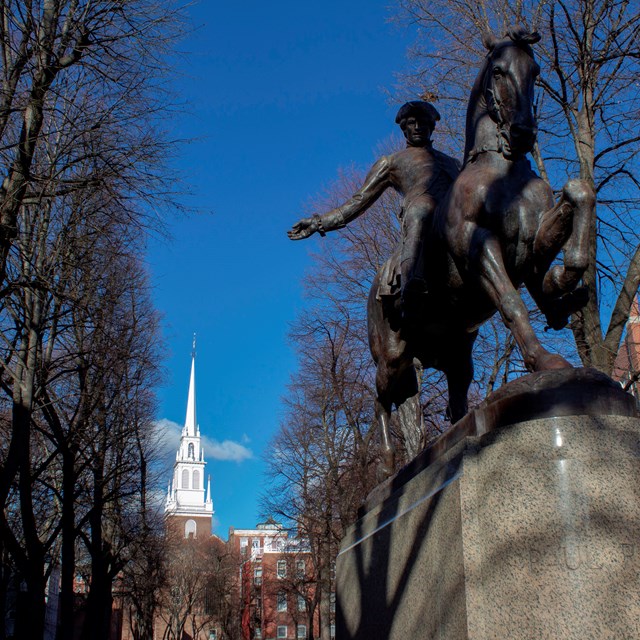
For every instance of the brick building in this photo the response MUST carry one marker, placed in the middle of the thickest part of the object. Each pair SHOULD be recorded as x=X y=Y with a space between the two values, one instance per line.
x=277 y=583
x=627 y=365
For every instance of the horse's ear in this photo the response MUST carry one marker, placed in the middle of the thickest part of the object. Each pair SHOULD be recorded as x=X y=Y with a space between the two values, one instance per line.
x=520 y=34
x=489 y=40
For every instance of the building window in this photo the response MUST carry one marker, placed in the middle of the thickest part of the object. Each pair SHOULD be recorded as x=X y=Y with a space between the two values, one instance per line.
x=255 y=544
x=190 y=453
x=282 y=631
x=282 y=569
x=257 y=575
x=300 y=568
x=185 y=478
x=332 y=601
x=213 y=634
x=302 y=631
x=332 y=631
x=196 y=479
x=257 y=634
x=282 y=601
x=244 y=542
x=302 y=604
x=190 y=529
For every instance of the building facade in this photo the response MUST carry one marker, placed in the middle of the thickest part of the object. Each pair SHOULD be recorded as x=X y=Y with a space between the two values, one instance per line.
x=277 y=590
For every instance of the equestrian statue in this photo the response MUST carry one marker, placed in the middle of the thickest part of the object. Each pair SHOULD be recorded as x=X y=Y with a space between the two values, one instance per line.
x=495 y=229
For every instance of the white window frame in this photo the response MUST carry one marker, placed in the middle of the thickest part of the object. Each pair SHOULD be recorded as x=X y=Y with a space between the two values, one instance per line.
x=281 y=569
x=281 y=601
x=303 y=628
x=280 y=633
x=302 y=603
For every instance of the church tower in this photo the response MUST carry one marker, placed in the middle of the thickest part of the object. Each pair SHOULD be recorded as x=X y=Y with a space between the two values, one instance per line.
x=188 y=511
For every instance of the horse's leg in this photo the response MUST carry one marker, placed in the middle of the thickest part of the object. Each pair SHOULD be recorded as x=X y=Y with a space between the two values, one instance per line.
x=381 y=341
x=459 y=372
x=395 y=382
x=565 y=226
x=486 y=250
x=409 y=411
x=382 y=405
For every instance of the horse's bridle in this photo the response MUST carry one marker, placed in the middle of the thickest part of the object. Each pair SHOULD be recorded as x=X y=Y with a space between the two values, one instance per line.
x=495 y=111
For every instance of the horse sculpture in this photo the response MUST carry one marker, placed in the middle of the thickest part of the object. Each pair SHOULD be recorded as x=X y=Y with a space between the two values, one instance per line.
x=496 y=229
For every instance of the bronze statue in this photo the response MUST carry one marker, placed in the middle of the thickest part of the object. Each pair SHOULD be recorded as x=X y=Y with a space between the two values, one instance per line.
x=422 y=175
x=496 y=228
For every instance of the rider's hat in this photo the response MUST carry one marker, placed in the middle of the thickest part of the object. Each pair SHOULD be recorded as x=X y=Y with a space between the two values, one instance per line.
x=419 y=108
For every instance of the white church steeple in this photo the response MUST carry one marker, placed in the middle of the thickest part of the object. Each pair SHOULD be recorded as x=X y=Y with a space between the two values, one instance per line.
x=190 y=423
x=187 y=504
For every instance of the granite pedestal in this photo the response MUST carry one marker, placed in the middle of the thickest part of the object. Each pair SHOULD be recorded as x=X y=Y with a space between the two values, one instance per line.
x=521 y=523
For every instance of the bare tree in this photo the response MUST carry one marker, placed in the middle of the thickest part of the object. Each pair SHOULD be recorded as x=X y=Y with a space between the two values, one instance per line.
x=97 y=58
x=82 y=161
x=201 y=580
x=142 y=583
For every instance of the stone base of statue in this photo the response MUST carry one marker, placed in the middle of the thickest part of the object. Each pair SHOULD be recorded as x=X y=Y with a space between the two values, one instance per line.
x=522 y=522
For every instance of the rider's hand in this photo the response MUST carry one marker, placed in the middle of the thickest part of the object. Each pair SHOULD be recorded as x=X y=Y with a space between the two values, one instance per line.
x=303 y=229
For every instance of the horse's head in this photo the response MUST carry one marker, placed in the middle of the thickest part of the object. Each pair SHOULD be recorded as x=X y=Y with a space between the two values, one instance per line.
x=508 y=82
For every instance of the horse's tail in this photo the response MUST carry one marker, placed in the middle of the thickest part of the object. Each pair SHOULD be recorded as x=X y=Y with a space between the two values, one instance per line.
x=375 y=317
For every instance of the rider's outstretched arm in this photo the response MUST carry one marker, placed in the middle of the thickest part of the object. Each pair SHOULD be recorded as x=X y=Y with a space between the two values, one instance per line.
x=376 y=182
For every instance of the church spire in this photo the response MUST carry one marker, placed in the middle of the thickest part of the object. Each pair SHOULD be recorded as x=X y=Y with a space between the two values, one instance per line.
x=189 y=507
x=190 y=424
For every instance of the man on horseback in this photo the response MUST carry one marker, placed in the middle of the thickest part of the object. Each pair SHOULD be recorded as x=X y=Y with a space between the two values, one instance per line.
x=422 y=176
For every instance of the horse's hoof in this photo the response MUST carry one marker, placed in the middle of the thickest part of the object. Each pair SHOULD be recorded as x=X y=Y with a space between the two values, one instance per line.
x=385 y=470
x=383 y=473
x=561 y=309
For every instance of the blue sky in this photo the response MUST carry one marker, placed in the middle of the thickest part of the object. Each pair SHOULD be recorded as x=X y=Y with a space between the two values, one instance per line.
x=277 y=97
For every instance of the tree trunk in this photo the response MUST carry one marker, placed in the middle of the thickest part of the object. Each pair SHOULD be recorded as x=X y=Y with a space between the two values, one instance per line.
x=31 y=608
x=68 y=551
x=97 y=624
x=99 y=601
